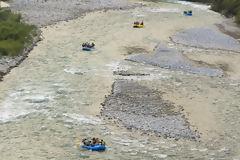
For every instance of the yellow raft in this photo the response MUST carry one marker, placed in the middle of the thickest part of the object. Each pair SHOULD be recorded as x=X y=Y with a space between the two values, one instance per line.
x=137 y=26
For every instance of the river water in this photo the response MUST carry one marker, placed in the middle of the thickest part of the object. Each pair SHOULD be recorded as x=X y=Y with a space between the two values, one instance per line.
x=53 y=98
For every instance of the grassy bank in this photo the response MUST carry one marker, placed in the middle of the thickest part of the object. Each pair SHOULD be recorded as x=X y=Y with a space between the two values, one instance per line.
x=14 y=35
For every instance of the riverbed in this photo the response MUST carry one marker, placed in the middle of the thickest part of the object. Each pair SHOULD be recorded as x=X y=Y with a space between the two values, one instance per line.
x=53 y=98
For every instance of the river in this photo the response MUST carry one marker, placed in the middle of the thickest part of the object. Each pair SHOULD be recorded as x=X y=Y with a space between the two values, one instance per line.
x=53 y=98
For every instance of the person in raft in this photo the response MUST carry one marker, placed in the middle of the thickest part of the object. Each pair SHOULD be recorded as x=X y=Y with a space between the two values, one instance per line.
x=137 y=23
x=88 y=45
x=93 y=142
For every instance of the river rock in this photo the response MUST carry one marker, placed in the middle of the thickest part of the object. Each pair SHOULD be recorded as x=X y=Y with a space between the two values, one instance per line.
x=208 y=37
x=45 y=12
x=142 y=108
x=170 y=58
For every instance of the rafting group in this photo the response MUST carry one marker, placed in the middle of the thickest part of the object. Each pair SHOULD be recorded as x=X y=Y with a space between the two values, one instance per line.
x=137 y=24
x=187 y=13
x=94 y=144
x=88 y=46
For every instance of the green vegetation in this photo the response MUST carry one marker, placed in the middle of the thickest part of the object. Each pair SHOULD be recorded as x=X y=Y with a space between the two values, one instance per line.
x=14 y=35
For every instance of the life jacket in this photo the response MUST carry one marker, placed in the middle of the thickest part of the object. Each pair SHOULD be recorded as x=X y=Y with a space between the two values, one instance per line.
x=97 y=140
x=85 y=142
x=103 y=143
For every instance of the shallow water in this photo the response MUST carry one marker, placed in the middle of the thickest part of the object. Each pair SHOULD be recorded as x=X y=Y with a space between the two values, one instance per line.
x=51 y=100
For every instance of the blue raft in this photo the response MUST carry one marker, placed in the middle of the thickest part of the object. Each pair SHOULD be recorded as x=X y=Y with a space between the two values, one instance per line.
x=188 y=14
x=87 y=48
x=95 y=147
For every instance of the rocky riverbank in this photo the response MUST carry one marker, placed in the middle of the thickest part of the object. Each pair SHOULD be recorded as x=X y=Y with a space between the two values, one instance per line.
x=7 y=63
x=45 y=12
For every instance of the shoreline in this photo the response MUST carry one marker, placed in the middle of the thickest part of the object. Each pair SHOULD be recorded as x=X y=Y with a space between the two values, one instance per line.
x=9 y=63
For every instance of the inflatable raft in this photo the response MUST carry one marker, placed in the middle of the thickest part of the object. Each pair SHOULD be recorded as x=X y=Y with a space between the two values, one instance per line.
x=137 y=26
x=189 y=13
x=87 y=48
x=85 y=143
x=95 y=147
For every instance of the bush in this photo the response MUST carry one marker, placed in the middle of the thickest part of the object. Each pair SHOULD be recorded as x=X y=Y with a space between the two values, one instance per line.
x=14 y=35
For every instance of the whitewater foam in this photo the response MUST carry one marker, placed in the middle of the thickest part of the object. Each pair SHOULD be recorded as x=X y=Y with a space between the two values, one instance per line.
x=83 y=119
